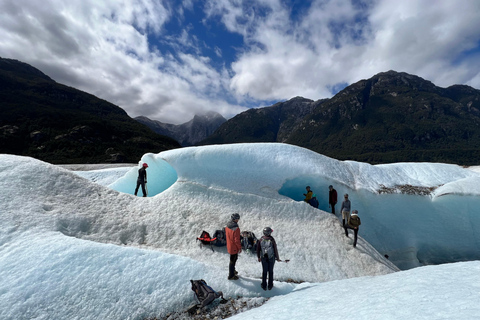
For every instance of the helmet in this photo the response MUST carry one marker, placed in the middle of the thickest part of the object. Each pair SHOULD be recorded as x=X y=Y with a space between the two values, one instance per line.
x=355 y=212
x=267 y=231
x=346 y=195
x=235 y=216
x=330 y=186
x=145 y=165
x=308 y=187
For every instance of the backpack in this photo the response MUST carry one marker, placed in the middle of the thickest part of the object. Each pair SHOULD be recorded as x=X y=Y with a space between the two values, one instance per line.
x=221 y=240
x=354 y=221
x=314 y=202
x=266 y=248
x=248 y=240
x=204 y=294
x=205 y=238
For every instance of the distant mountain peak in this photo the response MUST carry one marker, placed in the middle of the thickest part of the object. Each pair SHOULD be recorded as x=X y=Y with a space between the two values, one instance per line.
x=390 y=117
x=49 y=121
x=189 y=133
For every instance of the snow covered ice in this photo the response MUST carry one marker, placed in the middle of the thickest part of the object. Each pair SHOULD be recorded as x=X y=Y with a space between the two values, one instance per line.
x=79 y=245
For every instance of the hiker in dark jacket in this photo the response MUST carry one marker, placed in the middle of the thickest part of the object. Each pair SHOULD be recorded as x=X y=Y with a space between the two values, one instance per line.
x=142 y=179
x=267 y=254
x=345 y=209
x=353 y=223
x=332 y=198
x=234 y=246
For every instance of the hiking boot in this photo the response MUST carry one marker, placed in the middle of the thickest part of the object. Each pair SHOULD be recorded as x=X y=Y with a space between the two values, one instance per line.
x=236 y=272
x=263 y=287
x=270 y=288
x=233 y=278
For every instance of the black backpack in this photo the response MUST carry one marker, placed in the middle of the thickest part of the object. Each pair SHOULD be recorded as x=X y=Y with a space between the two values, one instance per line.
x=248 y=240
x=220 y=237
x=204 y=294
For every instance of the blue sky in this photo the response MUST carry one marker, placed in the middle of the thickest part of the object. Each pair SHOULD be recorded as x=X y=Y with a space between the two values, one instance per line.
x=169 y=60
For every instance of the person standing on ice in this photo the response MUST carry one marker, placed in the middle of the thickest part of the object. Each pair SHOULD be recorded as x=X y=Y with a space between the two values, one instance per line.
x=142 y=179
x=332 y=198
x=308 y=195
x=353 y=223
x=267 y=254
x=234 y=246
x=345 y=209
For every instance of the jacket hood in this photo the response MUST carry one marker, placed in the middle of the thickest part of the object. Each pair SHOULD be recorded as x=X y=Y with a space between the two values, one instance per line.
x=232 y=225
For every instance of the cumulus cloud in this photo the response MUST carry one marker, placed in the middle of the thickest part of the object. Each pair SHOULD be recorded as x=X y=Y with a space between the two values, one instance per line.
x=124 y=51
x=103 y=48
x=343 y=42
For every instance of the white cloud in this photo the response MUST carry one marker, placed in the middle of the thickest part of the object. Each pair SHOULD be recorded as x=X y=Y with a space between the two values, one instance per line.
x=337 y=41
x=106 y=48
x=103 y=48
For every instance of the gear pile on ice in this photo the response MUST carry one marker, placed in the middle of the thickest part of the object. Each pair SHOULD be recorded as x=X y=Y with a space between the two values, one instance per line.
x=247 y=239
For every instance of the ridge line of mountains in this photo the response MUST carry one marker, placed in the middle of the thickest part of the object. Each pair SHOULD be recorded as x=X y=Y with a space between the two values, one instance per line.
x=391 y=117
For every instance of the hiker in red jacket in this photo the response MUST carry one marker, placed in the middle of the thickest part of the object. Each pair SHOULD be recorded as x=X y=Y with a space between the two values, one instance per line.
x=234 y=246
x=332 y=198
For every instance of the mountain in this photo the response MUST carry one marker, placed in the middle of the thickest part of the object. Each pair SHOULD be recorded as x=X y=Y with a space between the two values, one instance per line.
x=49 y=121
x=189 y=133
x=394 y=117
x=269 y=124
x=391 y=117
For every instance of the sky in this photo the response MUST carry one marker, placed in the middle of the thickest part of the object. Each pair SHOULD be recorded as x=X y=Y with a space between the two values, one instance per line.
x=81 y=249
x=171 y=59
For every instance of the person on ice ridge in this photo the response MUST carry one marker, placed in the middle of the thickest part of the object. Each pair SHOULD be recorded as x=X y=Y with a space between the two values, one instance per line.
x=267 y=254
x=345 y=209
x=142 y=179
x=332 y=198
x=234 y=246
x=308 y=195
x=353 y=223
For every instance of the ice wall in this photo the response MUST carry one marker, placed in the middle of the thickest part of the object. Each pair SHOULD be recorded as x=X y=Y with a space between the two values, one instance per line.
x=411 y=229
x=160 y=176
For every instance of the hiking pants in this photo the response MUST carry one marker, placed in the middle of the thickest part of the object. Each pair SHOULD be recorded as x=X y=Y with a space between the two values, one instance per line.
x=141 y=183
x=333 y=207
x=355 y=232
x=267 y=266
x=231 y=266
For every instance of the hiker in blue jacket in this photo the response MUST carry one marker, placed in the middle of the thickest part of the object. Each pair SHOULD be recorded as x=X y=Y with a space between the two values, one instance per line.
x=345 y=209
x=267 y=254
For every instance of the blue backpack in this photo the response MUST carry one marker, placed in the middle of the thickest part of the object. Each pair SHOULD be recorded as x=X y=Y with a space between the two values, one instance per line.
x=314 y=202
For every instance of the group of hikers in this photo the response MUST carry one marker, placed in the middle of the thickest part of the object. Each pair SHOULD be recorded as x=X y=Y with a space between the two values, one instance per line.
x=349 y=221
x=266 y=249
x=266 y=246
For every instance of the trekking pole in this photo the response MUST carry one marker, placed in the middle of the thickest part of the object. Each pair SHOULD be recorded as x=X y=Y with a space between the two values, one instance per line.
x=286 y=261
x=146 y=189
